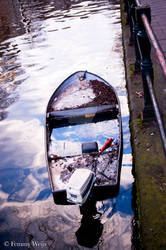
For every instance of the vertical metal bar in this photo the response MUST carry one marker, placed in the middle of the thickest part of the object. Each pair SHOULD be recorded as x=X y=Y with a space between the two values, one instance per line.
x=135 y=32
x=126 y=9
x=146 y=63
x=155 y=44
x=157 y=112
x=131 y=21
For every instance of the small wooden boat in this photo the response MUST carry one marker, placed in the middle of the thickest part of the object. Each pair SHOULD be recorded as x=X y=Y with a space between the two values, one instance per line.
x=84 y=131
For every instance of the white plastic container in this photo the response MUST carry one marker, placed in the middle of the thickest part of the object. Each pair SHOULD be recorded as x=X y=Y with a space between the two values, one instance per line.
x=80 y=185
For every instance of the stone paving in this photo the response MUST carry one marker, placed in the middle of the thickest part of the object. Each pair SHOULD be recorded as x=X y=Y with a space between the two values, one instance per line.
x=158 y=20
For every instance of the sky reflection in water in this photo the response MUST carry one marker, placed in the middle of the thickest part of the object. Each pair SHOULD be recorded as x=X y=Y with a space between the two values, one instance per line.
x=47 y=46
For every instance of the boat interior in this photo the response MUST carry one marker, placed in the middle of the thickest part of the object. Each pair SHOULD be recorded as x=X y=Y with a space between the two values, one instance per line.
x=75 y=142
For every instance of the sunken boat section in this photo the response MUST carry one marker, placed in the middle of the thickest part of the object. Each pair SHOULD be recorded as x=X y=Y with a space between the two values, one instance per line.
x=83 y=130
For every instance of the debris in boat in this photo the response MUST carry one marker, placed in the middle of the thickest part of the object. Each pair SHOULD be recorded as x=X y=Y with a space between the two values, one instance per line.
x=113 y=143
x=53 y=157
x=107 y=144
x=104 y=94
x=98 y=94
x=104 y=166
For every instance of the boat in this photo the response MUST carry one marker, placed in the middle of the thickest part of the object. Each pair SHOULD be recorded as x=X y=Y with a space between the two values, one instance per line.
x=83 y=130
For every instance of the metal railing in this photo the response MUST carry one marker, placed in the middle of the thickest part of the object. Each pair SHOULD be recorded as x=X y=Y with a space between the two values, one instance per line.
x=142 y=36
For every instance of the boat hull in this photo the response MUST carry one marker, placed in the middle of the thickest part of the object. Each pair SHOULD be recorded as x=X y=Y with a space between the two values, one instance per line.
x=84 y=130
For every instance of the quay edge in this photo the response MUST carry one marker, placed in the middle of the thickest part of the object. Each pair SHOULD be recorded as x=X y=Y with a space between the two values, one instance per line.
x=149 y=162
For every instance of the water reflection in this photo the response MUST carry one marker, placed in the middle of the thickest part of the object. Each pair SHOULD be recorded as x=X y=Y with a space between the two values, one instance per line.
x=10 y=20
x=41 y=44
x=91 y=227
x=10 y=26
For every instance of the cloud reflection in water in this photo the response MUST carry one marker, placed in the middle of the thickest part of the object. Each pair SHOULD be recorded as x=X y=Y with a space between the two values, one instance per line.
x=56 y=41
x=24 y=144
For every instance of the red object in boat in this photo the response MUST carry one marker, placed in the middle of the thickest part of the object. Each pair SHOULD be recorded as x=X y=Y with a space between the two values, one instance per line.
x=107 y=144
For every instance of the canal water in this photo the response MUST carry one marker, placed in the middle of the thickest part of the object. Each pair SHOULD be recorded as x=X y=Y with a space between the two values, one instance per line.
x=41 y=44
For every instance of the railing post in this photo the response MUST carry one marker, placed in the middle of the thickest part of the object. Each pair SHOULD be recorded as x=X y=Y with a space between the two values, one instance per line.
x=130 y=6
x=135 y=32
x=146 y=63
x=126 y=9
x=131 y=21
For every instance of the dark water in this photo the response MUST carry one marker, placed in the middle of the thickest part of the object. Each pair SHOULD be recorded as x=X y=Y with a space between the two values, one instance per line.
x=42 y=43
